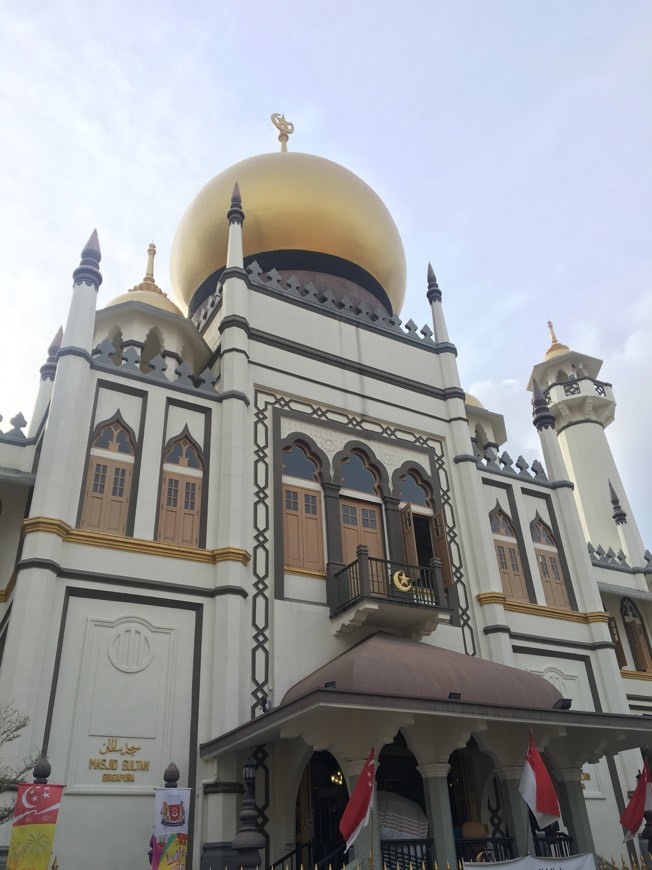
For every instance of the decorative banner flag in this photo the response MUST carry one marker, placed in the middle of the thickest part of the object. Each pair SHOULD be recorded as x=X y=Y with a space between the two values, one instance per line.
x=356 y=813
x=32 y=834
x=170 y=844
x=537 y=790
x=640 y=801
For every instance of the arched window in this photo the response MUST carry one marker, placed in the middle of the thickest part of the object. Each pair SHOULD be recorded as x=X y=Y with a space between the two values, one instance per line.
x=181 y=490
x=360 y=508
x=108 y=480
x=303 y=534
x=639 y=642
x=507 y=555
x=424 y=532
x=547 y=555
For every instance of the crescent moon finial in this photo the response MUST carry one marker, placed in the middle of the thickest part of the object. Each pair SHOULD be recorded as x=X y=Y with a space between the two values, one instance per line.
x=285 y=128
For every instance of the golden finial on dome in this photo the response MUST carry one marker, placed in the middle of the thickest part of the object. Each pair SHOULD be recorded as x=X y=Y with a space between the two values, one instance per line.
x=556 y=347
x=148 y=282
x=286 y=128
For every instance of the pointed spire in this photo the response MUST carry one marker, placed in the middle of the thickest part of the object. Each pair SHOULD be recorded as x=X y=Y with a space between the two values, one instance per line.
x=434 y=293
x=235 y=214
x=619 y=515
x=50 y=366
x=148 y=283
x=556 y=347
x=542 y=416
x=88 y=271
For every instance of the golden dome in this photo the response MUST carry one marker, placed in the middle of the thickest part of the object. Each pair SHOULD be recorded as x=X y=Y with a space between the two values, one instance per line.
x=148 y=292
x=471 y=400
x=293 y=202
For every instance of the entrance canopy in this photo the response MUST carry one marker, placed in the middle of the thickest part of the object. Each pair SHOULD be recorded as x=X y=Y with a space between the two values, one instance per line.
x=386 y=682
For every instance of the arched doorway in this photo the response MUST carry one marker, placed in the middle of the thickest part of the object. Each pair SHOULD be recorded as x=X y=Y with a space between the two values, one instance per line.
x=401 y=808
x=476 y=805
x=321 y=800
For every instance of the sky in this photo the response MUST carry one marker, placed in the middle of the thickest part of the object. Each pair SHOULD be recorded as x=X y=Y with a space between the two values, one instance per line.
x=510 y=139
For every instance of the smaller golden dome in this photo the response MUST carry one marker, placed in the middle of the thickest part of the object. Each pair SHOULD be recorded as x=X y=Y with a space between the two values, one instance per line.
x=556 y=348
x=471 y=400
x=148 y=292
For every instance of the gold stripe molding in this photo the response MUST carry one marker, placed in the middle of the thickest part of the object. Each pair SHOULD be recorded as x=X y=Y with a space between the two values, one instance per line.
x=485 y=598
x=52 y=526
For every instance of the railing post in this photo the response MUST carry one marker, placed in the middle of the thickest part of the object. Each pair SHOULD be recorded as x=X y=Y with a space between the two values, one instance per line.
x=362 y=553
x=437 y=580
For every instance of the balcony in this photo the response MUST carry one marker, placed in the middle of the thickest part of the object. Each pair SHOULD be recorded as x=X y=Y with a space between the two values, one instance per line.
x=378 y=593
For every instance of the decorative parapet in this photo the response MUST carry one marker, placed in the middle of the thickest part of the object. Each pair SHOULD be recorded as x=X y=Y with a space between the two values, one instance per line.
x=488 y=460
x=358 y=313
x=17 y=423
x=127 y=358
x=580 y=386
x=608 y=558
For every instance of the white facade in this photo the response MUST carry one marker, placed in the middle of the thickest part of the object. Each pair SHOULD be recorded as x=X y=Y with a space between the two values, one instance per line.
x=180 y=628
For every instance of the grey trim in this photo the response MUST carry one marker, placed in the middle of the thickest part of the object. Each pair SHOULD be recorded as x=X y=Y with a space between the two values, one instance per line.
x=578 y=423
x=237 y=321
x=220 y=354
x=516 y=522
x=132 y=582
x=339 y=362
x=235 y=394
x=423 y=414
x=14 y=475
x=261 y=729
x=586 y=660
x=71 y=350
x=121 y=372
x=624 y=591
x=568 y=582
x=548 y=641
x=497 y=629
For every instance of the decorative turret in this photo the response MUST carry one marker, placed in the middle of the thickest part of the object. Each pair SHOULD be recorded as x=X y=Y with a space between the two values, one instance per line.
x=619 y=516
x=48 y=371
x=542 y=417
x=78 y=334
x=566 y=388
x=235 y=216
x=88 y=270
x=148 y=292
x=434 y=298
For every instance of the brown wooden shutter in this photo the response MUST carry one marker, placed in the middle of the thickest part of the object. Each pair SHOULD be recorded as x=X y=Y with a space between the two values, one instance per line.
x=621 y=658
x=106 y=497
x=409 y=539
x=179 y=509
x=554 y=587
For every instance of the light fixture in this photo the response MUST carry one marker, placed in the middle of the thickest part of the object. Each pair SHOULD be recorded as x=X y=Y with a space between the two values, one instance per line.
x=249 y=770
x=454 y=696
x=331 y=684
x=563 y=704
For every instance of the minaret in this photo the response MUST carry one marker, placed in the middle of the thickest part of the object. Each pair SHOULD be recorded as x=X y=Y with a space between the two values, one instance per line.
x=56 y=493
x=583 y=406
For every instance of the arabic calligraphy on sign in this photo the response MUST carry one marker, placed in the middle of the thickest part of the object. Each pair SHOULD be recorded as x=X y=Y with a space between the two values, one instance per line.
x=112 y=745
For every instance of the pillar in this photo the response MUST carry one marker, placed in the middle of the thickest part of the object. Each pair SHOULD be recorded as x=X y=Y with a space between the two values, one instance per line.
x=573 y=808
x=438 y=810
x=516 y=810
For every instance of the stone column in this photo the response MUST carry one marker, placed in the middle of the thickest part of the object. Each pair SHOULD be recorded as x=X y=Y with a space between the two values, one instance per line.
x=573 y=808
x=438 y=809
x=516 y=810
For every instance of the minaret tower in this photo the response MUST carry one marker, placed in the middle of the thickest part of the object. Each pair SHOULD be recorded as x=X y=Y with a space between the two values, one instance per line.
x=583 y=406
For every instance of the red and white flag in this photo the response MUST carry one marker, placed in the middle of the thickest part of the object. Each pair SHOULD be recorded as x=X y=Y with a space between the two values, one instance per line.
x=640 y=801
x=358 y=809
x=537 y=790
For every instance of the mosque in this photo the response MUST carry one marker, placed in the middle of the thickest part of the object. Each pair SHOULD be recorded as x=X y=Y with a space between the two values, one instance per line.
x=260 y=518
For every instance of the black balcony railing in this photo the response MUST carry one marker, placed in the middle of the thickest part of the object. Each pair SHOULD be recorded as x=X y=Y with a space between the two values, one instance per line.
x=395 y=582
x=553 y=846
x=406 y=853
